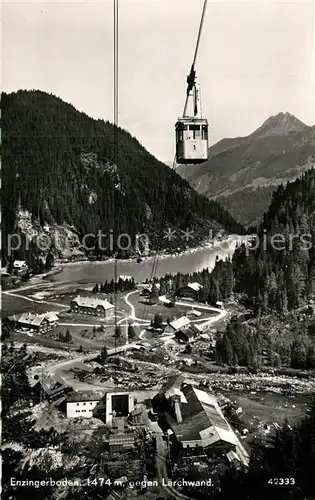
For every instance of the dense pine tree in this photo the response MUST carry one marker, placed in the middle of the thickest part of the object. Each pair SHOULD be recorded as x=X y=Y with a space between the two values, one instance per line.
x=216 y=285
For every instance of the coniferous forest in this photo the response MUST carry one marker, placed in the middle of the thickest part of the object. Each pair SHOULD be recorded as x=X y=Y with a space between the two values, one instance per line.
x=278 y=272
x=275 y=279
x=63 y=166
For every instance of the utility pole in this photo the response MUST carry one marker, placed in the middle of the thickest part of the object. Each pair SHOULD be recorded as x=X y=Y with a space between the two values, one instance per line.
x=42 y=391
x=127 y=326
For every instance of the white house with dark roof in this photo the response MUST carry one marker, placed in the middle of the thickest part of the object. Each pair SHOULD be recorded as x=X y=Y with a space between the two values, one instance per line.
x=191 y=290
x=82 y=404
x=92 y=306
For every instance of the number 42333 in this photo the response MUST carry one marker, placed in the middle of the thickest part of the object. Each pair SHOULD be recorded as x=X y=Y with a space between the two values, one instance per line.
x=279 y=481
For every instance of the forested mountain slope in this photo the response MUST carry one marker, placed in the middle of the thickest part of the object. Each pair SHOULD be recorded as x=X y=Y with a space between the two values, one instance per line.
x=62 y=166
x=278 y=272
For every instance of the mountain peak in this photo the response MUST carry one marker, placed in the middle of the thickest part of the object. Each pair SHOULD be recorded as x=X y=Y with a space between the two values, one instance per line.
x=280 y=124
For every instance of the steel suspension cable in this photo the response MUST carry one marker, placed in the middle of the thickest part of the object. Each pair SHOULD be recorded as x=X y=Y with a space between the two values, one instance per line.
x=115 y=157
x=156 y=256
x=196 y=49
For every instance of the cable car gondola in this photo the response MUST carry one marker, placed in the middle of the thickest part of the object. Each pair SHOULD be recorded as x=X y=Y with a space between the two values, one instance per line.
x=192 y=131
x=192 y=135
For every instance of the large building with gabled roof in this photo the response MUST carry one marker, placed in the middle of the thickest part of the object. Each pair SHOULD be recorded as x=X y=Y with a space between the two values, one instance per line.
x=198 y=423
x=92 y=306
x=34 y=322
x=177 y=324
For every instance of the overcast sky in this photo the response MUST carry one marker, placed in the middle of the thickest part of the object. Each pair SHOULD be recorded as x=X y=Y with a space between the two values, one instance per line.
x=256 y=59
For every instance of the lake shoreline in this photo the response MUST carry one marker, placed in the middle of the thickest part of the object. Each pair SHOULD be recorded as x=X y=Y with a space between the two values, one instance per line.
x=155 y=255
x=88 y=271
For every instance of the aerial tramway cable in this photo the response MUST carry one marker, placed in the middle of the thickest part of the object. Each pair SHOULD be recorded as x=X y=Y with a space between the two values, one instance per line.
x=115 y=13
x=192 y=71
x=190 y=82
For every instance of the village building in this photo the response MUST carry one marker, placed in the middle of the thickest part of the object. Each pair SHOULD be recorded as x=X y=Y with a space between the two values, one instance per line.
x=198 y=423
x=82 y=404
x=49 y=390
x=39 y=323
x=118 y=404
x=187 y=335
x=146 y=292
x=177 y=324
x=92 y=306
x=190 y=291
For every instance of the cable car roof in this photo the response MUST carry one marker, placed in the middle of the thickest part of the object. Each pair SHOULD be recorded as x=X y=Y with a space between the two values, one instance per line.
x=191 y=119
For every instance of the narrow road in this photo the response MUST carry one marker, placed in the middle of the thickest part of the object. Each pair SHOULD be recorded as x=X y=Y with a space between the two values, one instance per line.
x=161 y=454
x=221 y=312
x=132 y=307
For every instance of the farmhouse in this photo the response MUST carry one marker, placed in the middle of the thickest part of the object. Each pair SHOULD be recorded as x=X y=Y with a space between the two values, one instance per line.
x=49 y=390
x=34 y=322
x=191 y=290
x=187 y=335
x=92 y=306
x=177 y=324
x=197 y=422
x=82 y=404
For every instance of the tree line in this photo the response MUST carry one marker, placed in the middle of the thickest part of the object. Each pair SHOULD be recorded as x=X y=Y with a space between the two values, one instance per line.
x=216 y=284
x=253 y=344
x=119 y=286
